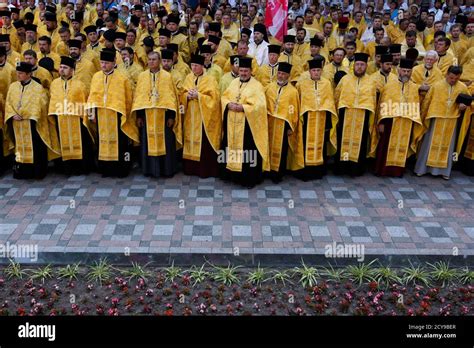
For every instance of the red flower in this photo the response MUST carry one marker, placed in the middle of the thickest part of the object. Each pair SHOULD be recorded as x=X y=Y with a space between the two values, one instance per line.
x=42 y=292
x=21 y=311
x=425 y=305
x=169 y=312
x=202 y=308
x=186 y=280
x=99 y=310
x=344 y=304
x=229 y=309
x=348 y=296
x=373 y=285
x=299 y=311
x=115 y=301
x=113 y=312
x=320 y=308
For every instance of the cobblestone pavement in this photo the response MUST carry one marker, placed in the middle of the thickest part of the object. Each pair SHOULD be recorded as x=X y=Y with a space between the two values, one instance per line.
x=415 y=216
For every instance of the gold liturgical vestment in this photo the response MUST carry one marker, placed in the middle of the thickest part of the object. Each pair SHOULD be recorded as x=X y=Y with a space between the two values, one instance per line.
x=401 y=103
x=156 y=93
x=440 y=106
x=111 y=94
x=283 y=108
x=467 y=130
x=267 y=74
x=68 y=99
x=356 y=95
x=250 y=95
x=316 y=99
x=204 y=111
x=30 y=102
x=422 y=75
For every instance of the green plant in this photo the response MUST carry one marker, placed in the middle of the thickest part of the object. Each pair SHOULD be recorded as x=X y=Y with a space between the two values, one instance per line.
x=198 y=275
x=69 y=272
x=42 y=273
x=137 y=271
x=13 y=270
x=308 y=275
x=226 y=275
x=386 y=275
x=441 y=272
x=257 y=276
x=335 y=275
x=282 y=276
x=466 y=276
x=100 y=272
x=361 y=273
x=172 y=272
x=415 y=275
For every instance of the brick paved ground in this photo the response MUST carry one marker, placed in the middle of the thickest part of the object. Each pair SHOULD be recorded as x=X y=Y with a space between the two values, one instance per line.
x=416 y=216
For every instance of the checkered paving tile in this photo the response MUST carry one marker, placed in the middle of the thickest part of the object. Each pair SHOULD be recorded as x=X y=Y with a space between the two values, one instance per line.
x=190 y=215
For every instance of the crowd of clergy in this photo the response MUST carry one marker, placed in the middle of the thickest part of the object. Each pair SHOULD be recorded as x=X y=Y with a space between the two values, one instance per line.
x=206 y=89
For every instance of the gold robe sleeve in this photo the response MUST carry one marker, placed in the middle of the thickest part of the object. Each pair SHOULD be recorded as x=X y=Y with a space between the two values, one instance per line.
x=209 y=106
x=32 y=104
x=286 y=107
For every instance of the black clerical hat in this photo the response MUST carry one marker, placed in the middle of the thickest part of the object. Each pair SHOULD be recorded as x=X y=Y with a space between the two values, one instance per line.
x=107 y=55
x=70 y=62
x=285 y=67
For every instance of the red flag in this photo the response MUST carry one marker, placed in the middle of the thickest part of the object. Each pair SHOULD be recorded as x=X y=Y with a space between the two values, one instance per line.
x=276 y=18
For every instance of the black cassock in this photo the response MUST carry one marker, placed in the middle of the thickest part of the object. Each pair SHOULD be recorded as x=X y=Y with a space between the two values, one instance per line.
x=79 y=166
x=156 y=166
x=120 y=168
x=249 y=176
x=315 y=172
x=39 y=168
x=466 y=164
x=349 y=167
x=207 y=165
x=277 y=176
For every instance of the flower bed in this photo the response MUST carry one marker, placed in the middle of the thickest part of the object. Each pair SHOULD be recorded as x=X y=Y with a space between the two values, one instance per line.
x=102 y=289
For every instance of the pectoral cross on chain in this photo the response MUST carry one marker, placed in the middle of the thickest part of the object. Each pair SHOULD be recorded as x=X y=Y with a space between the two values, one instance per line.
x=449 y=96
x=154 y=91
x=316 y=92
